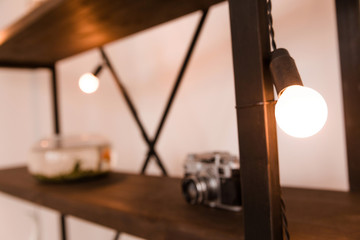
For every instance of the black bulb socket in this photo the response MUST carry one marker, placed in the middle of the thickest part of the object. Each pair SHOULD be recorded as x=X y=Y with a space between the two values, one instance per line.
x=283 y=70
x=97 y=70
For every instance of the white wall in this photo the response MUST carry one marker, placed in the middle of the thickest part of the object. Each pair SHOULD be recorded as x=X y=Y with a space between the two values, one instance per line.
x=203 y=115
x=308 y=30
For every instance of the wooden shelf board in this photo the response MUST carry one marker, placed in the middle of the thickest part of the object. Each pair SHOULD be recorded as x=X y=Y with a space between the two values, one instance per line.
x=62 y=28
x=153 y=207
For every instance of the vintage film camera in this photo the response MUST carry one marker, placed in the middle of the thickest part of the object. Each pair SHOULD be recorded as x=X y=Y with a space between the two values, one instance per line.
x=212 y=179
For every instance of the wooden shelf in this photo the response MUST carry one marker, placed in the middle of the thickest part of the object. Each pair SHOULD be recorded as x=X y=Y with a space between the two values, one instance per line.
x=153 y=208
x=62 y=28
x=149 y=207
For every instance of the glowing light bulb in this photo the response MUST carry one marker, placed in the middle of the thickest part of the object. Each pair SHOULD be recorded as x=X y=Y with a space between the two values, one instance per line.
x=88 y=83
x=301 y=111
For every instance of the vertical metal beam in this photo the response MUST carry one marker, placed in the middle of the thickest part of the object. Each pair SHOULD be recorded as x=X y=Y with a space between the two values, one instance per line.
x=348 y=23
x=63 y=227
x=55 y=101
x=256 y=120
x=56 y=125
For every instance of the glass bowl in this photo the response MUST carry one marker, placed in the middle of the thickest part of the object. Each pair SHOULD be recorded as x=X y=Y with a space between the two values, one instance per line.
x=69 y=158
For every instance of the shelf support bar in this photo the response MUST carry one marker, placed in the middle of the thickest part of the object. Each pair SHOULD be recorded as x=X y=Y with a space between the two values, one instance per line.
x=175 y=88
x=63 y=227
x=56 y=119
x=55 y=102
x=348 y=23
x=256 y=123
x=124 y=92
x=132 y=108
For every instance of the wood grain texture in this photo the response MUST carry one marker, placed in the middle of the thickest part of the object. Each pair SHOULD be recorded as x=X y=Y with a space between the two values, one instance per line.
x=348 y=23
x=153 y=208
x=62 y=28
x=149 y=207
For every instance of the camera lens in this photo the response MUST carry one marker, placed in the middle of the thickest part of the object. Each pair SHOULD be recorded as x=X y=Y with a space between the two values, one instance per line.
x=197 y=190
x=191 y=190
x=191 y=194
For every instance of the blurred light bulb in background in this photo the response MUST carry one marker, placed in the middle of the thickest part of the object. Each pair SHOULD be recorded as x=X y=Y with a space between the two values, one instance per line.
x=88 y=83
x=300 y=111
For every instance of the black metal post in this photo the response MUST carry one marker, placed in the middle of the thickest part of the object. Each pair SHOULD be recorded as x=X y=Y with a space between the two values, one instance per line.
x=117 y=235
x=55 y=101
x=56 y=120
x=63 y=227
x=256 y=120
x=175 y=88
x=348 y=23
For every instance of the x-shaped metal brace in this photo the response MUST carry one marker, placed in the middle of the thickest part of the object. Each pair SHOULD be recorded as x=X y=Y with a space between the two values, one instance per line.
x=151 y=143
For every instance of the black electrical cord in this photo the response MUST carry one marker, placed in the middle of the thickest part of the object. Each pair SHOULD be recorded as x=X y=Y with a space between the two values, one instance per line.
x=271 y=28
x=273 y=45
x=284 y=219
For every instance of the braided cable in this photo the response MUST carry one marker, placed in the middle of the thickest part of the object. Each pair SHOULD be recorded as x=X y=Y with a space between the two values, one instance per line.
x=284 y=219
x=273 y=45
x=271 y=28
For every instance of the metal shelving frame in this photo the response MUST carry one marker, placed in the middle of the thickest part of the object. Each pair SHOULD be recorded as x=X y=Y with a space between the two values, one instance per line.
x=255 y=107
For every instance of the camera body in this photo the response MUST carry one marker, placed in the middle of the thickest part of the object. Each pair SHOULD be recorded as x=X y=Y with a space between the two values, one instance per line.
x=213 y=179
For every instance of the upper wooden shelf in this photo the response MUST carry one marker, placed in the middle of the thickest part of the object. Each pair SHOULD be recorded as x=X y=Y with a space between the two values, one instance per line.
x=153 y=208
x=59 y=29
